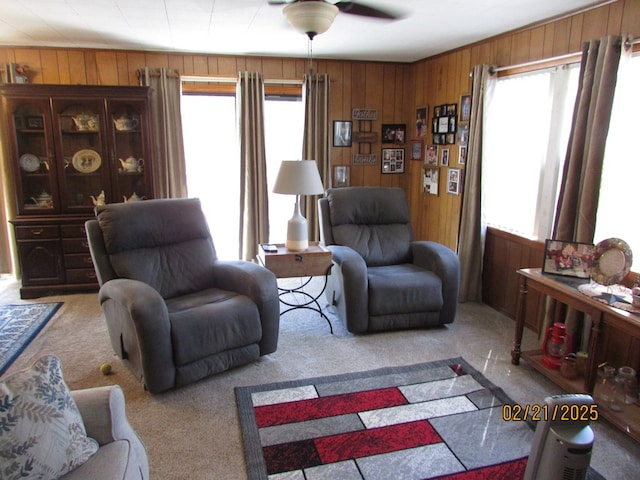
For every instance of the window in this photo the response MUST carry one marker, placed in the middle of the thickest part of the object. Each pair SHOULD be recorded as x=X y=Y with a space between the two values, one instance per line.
x=619 y=201
x=213 y=170
x=528 y=118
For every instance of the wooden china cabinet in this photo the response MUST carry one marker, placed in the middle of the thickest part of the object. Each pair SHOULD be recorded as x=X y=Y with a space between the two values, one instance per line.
x=69 y=148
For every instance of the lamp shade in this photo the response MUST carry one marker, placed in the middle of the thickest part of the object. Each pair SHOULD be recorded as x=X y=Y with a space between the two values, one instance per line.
x=298 y=177
x=311 y=18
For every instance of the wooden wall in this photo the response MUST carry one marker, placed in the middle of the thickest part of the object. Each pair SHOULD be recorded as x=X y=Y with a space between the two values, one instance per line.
x=443 y=79
x=377 y=85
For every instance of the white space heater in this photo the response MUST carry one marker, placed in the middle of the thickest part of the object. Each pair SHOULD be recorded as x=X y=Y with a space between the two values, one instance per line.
x=562 y=442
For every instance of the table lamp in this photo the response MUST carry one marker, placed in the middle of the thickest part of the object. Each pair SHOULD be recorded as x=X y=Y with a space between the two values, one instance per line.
x=298 y=177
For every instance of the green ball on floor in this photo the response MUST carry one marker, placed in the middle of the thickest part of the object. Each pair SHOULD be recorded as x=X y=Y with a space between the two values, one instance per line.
x=105 y=368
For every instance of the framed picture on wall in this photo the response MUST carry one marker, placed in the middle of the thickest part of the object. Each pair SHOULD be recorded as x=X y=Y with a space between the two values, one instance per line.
x=453 y=181
x=393 y=160
x=342 y=133
x=444 y=159
x=416 y=149
x=431 y=156
x=465 y=108
x=341 y=176
x=394 y=133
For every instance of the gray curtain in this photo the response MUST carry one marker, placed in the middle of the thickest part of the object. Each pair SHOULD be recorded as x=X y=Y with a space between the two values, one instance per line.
x=580 y=186
x=169 y=169
x=471 y=233
x=254 y=195
x=315 y=144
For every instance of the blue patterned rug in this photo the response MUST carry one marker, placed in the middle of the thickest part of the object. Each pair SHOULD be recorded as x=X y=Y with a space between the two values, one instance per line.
x=19 y=324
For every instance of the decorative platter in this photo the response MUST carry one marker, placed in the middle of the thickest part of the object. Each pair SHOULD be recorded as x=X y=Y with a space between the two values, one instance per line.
x=611 y=261
x=29 y=162
x=86 y=160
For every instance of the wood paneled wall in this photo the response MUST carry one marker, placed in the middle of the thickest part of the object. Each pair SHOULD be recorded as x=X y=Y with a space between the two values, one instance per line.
x=395 y=90
x=443 y=79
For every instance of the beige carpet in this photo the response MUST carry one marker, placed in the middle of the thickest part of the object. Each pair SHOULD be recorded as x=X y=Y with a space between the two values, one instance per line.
x=193 y=433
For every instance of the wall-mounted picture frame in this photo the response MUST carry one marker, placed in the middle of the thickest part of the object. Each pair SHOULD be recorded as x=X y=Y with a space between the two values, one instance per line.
x=462 y=155
x=463 y=135
x=392 y=160
x=416 y=149
x=394 y=133
x=35 y=122
x=421 y=121
x=444 y=157
x=465 y=107
x=567 y=259
x=430 y=181
x=341 y=176
x=431 y=156
x=453 y=181
x=342 y=133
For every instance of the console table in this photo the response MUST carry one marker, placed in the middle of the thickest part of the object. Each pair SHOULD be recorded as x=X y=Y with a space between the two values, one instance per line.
x=315 y=261
x=601 y=314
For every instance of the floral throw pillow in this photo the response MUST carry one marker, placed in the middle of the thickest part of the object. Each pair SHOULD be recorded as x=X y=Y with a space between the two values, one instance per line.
x=42 y=435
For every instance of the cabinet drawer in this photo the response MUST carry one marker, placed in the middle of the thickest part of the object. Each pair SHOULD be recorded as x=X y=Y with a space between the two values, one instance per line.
x=75 y=245
x=37 y=232
x=78 y=260
x=73 y=231
x=81 y=275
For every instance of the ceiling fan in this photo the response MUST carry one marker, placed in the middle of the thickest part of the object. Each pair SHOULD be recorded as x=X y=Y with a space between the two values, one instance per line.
x=313 y=17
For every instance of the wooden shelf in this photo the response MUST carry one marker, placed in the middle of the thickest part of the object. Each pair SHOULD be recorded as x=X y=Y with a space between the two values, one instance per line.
x=603 y=315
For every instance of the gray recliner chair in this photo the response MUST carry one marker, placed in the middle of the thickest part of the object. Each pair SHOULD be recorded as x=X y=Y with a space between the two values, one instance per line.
x=174 y=311
x=381 y=278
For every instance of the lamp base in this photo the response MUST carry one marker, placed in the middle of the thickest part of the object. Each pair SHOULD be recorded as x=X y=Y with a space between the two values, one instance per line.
x=297 y=230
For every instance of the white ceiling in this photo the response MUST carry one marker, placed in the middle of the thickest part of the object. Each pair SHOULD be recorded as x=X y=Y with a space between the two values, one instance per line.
x=253 y=27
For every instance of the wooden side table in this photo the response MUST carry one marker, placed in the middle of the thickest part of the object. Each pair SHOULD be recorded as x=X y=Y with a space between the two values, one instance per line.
x=315 y=261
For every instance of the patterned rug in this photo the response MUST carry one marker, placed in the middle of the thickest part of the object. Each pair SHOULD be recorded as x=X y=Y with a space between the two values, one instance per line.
x=433 y=420
x=19 y=324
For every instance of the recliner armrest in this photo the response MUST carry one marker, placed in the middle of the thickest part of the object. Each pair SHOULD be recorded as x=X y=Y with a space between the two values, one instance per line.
x=353 y=276
x=259 y=284
x=131 y=301
x=105 y=420
x=445 y=263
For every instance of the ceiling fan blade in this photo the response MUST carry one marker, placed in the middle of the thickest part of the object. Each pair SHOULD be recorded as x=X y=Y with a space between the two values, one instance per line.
x=278 y=2
x=355 y=8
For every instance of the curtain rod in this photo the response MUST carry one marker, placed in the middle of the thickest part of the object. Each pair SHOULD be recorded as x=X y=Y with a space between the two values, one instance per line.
x=627 y=44
x=234 y=80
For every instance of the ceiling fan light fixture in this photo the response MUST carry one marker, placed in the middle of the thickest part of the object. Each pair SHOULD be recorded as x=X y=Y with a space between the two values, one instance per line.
x=310 y=18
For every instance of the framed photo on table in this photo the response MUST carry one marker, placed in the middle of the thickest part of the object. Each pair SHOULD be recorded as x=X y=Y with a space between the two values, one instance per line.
x=569 y=259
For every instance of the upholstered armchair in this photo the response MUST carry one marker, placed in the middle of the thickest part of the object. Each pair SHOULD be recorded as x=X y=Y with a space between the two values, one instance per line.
x=382 y=279
x=175 y=312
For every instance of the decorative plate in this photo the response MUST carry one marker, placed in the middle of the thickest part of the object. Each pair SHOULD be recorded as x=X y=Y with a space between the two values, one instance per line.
x=86 y=160
x=29 y=162
x=611 y=261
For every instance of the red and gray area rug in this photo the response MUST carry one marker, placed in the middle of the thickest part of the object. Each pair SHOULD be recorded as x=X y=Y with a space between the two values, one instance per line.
x=439 y=420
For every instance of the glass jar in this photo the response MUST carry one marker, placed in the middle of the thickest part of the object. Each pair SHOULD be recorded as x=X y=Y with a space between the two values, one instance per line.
x=605 y=387
x=628 y=383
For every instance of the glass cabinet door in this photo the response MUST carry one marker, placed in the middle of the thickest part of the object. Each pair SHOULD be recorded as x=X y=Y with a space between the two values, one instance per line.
x=131 y=166
x=83 y=153
x=36 y=190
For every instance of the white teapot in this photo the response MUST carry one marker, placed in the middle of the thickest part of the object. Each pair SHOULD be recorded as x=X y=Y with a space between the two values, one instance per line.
x=99 y=200
x=132 y=164
x=125 y=123
x=44 y=200
x=133 y=198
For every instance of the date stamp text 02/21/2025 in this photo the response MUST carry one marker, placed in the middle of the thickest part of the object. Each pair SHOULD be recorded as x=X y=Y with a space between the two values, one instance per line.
x=544 y=412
